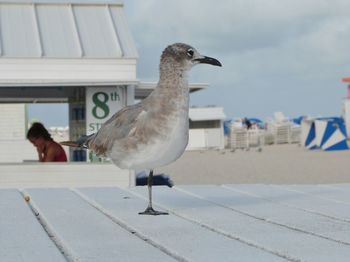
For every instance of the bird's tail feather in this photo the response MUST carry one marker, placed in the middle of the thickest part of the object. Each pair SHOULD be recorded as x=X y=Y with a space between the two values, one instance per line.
x=81 y=142
x=69 y=143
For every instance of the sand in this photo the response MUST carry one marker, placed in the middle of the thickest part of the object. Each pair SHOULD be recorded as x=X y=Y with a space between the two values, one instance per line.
x=276 y=164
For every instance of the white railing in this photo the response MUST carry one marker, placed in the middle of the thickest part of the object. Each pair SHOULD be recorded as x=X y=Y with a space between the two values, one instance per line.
x=241 y=138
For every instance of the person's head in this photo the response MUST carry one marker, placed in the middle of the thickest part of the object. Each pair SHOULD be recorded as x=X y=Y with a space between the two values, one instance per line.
x=38 y=135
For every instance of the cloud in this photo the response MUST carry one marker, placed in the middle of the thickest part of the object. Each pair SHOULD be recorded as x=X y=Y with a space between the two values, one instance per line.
x=269 y=48
x=244 y=24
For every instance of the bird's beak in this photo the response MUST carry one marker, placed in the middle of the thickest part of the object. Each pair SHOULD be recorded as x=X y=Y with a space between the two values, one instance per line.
x=208 y=60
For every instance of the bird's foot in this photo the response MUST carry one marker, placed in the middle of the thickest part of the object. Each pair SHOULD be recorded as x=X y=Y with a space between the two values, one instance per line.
x=152 y=212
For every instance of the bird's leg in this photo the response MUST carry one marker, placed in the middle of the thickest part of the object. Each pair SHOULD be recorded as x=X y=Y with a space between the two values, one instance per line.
x=149 y=210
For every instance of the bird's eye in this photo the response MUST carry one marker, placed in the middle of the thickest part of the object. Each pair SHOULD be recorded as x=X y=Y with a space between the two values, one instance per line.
x=190 y=53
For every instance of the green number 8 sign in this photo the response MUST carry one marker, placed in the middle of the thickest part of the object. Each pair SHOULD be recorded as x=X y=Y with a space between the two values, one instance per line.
x=101 y=109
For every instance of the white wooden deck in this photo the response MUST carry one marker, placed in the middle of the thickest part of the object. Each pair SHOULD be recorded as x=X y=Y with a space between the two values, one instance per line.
x=206 y=223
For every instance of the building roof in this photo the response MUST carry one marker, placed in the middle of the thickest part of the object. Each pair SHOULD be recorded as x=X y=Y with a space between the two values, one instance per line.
x=206 y=113
x=65 y=43
x=64 y=29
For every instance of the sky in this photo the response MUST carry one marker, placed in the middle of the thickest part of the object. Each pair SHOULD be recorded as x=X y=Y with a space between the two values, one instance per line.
x=277 y=55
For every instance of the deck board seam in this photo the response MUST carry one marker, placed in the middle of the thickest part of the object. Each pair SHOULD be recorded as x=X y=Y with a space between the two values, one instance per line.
x=289 y=206
x=126 y=227
x=272 y=222
x=312 y=195
x=58 y=241
x=228 y=235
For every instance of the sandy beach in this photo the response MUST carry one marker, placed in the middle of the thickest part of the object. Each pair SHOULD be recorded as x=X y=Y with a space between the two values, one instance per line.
x=276 y=164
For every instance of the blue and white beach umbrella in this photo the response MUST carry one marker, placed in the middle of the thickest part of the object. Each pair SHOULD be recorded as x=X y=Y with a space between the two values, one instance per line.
x=309 y=129
x=326 y=134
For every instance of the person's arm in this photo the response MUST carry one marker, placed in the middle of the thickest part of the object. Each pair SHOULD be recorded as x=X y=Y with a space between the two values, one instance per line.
x=40 y=154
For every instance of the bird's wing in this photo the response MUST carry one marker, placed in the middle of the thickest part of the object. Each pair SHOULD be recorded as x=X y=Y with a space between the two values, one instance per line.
x=119 y=126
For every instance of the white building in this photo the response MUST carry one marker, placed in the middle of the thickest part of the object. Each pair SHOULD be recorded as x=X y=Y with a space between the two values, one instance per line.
x=206 y=128
x=66 y=51
x=13 y=145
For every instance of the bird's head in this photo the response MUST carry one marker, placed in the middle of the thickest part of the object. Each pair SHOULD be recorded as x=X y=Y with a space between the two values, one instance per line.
x=185 y=56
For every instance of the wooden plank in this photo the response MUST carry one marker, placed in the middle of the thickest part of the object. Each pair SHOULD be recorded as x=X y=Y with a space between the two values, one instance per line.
x=185 y=239
x=22 y=238
x=302 y=201
x=284 y=216
x=286 y=242
x=328 y=192
x=276 y=211
x=87 y=234
x=342 y=186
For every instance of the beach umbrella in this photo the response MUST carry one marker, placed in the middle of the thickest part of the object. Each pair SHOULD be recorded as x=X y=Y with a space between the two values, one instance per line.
x=309 y=129
x=330 y=135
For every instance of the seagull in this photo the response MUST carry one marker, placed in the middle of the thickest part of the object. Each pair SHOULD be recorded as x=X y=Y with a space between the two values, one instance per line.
x=153 y=132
